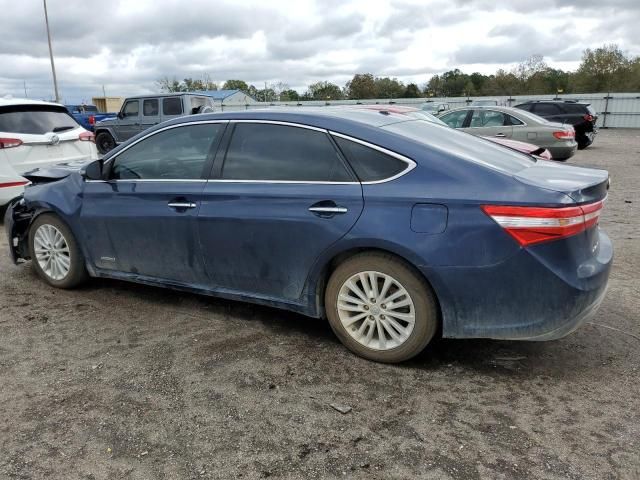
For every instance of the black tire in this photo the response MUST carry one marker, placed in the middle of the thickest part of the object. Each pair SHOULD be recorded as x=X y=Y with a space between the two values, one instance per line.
x=105 y=142
x=584 y=144
x=421 y=294
x=77 y=272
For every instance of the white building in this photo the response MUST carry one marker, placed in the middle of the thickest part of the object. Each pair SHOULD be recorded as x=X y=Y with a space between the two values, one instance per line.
x=234 y=99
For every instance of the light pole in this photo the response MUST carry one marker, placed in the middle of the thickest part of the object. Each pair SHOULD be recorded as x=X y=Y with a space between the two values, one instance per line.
x=53 y=67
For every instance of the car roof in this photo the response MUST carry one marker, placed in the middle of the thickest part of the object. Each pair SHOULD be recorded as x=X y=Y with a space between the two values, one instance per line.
x=573 y=102
x=172 y=94
x=499 y=108
x=7 y=101
x=388 y=108
x=322 y=117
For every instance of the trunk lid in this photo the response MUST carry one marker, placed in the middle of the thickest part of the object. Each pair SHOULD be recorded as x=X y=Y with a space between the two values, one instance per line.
x=583 y=185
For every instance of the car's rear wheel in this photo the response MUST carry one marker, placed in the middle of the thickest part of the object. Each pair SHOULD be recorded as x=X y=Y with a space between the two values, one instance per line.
x=105 y=142
x=380 y=308
x=54 y=252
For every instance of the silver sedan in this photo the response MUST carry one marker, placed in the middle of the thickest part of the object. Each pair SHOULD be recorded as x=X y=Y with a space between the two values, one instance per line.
x=515 y=124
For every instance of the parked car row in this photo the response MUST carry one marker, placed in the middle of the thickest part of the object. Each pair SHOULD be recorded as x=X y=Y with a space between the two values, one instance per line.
x=515 y=124
x=392 y=227
x=581 y=115
x=523 y=147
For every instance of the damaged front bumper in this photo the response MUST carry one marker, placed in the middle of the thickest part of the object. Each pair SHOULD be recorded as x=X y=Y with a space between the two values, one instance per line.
x=17 y=220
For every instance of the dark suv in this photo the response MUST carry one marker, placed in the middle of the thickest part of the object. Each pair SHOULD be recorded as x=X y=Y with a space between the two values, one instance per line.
x=581 y=115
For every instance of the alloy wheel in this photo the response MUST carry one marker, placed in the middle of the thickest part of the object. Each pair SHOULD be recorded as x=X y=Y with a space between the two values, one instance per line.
x=52 y=252
x=376 y=310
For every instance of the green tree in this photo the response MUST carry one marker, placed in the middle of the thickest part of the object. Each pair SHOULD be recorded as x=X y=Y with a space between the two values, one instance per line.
x=187 y=85
x=236 y=85
x=389 y=87
x=266 y=95
x=361 y=86
x=478 y=81
x=289 y=95
x=412 y=91
x=167 y=85
x=603 y=69
x=191 y=85
x=325 y=91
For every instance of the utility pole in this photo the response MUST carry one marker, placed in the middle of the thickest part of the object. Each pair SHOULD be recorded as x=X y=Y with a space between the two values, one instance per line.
x=53 y=67
x=24 y=83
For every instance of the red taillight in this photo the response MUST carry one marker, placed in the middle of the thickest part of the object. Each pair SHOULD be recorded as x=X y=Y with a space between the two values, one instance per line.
x=565 y=134
x=530 y=225
x=92 y=120
x=87 y=137
x=10 y=142
x=588 y=117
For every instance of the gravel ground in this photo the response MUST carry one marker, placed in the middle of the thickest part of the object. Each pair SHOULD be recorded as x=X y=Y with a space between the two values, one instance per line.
x=124 y=381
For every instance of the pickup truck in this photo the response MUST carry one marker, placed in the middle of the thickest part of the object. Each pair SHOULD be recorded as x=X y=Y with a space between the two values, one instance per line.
x=87 y=115
x=139 y=113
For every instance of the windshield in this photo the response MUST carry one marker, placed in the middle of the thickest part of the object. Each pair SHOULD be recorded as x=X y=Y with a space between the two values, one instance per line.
x=35 y=119
x=463 y=145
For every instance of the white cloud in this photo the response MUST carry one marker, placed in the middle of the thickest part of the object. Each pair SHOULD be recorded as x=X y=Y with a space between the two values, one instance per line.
x=126 y=46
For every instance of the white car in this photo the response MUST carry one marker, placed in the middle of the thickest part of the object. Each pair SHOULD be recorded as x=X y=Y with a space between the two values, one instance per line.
x=36 y=134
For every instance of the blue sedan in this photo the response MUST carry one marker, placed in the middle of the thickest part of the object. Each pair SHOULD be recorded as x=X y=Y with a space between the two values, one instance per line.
x=395 y=229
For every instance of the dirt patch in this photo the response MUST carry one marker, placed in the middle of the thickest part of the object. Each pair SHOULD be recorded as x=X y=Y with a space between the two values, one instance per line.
x=127 y=381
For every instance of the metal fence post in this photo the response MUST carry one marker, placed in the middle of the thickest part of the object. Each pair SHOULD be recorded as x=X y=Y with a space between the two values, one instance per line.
x=606 y=110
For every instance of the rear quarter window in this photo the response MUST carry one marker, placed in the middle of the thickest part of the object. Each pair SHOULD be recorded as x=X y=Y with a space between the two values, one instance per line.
x=369 y=164
x=172 y=106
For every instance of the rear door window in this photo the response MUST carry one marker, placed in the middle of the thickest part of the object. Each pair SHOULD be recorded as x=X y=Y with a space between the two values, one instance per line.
x=488 y=118
x=35 y=119
x=172 y=106
x=282 y=153
x=150 y=107
x=177 y=153
x=370 y=165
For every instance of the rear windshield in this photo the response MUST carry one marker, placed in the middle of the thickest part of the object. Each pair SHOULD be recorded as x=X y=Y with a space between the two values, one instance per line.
x=35 y=119
x=524 y=114
x=463 y=145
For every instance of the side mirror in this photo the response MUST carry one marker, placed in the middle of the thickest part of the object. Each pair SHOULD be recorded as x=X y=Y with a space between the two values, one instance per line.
x=93 y=171
x=120 y=115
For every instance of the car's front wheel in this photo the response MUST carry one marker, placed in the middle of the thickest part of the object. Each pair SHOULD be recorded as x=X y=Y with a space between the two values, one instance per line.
x=380 y=308
x=105 y=142
x=55 y=253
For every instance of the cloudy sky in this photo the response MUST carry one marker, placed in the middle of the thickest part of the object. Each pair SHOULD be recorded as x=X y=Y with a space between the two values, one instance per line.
x=128 y=45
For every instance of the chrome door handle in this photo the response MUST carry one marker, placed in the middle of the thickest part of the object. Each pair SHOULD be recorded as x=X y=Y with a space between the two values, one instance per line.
x=499 y=135
x=181 y=205
x=332 y=210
